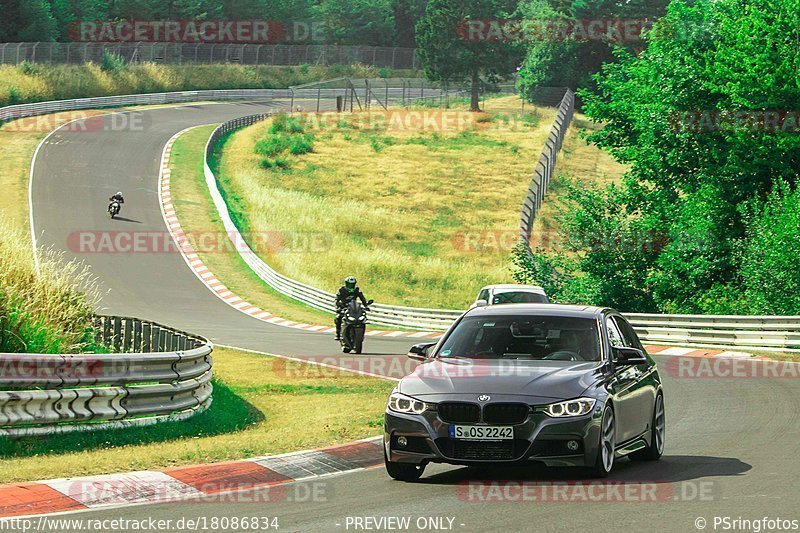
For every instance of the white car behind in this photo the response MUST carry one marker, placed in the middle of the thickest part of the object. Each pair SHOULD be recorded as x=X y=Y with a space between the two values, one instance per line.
x=510 y=294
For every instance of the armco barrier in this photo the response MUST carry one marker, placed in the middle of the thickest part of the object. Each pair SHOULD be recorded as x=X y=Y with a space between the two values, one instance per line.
x=43 y=108
x=546 y=165
x=156 y=374
x=758 y=333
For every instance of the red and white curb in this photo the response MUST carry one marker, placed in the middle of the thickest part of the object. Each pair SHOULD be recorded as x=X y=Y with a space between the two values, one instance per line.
x=215 y=285
x=230 y=481
x=697 y=352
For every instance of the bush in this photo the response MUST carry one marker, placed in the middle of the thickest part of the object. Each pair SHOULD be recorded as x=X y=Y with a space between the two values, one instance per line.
x=112 y=63
x=770 y=269
x=272 y=145
x=301 y=144
x=42 y=312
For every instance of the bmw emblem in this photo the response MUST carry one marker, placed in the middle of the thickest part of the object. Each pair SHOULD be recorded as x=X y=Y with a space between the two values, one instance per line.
x=484 y=398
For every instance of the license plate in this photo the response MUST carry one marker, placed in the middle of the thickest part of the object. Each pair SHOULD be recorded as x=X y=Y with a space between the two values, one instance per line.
x=482 y=432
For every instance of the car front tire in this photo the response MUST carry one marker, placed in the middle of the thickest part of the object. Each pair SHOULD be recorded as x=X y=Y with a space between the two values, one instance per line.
x=654 y=451
x=402 y=471
x=607 y=445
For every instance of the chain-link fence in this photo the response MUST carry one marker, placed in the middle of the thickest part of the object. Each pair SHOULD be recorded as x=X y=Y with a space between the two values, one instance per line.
x=363 y=94
x=179 y=53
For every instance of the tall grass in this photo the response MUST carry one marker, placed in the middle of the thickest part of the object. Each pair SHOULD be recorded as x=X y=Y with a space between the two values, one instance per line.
x=420 y=214
x=44 y=312
x=35 y=83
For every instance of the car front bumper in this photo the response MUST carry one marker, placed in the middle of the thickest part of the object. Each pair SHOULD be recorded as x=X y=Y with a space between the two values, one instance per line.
x=540 y=438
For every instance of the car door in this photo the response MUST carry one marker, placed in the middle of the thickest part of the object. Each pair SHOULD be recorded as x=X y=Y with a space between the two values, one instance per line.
x=643 y=392
x=622 y=386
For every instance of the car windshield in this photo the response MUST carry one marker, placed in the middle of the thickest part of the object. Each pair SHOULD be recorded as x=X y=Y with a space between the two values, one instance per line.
x=519 y=297
x=524 y=337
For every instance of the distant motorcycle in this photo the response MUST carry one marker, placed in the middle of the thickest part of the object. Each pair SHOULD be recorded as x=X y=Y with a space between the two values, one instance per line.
x=113 y=208
x=354 y=325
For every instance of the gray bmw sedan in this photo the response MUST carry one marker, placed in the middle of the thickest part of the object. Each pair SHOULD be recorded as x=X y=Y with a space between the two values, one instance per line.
x=560 y=385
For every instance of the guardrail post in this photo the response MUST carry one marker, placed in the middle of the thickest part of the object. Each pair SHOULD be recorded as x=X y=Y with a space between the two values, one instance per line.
x=128 y=336
x=107 y=331
x=147 y=337
x=137 y=336
x=162 y=340
x=117 y=333
x=155 y=335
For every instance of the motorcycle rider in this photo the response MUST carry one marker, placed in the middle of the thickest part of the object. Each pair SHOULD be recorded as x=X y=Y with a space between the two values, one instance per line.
x=117 y=198
x=346 y=294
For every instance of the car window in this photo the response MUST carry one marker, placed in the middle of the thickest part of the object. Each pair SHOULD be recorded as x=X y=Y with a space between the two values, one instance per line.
x=518 y=297
x=483 y=295
x=524 y=337
x=614 y=336
x=628 y=335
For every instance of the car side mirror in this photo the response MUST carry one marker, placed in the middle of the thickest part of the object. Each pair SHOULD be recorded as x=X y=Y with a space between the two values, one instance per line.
x=481 y=303
x=629 y=356
x=419 y=352
x=370 y=302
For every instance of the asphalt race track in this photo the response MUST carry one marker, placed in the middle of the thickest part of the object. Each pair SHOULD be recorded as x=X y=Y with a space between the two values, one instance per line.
x=732 y=444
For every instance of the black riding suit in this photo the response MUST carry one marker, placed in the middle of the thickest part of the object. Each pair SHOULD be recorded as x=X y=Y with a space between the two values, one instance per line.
x=117 y=198
x=344 y=297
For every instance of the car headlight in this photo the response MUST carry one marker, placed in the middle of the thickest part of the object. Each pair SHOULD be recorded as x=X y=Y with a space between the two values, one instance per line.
x=401 y=403
x=578 y=407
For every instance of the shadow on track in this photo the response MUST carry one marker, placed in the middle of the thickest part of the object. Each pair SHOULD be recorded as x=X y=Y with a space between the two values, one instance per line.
x=123 y=219
x=670 y=469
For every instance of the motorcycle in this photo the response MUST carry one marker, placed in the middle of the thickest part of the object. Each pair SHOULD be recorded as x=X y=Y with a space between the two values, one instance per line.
x=113 y=208
x=354 y=326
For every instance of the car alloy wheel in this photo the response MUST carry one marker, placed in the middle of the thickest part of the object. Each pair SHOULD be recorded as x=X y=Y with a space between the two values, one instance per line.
x=660 y=424
x=606 y=446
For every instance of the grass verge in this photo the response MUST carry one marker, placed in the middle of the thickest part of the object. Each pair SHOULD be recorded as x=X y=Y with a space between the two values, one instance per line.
x=38 y=82
x=418 y=210
x=261 y=406
x=43 y=312
x=198 y=217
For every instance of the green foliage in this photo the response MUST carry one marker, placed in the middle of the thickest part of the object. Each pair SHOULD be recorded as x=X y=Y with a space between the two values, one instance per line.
x=448 y=55
x=553 y=61
x=286 y=135
x=674 y=236
x=41 y=311
x=368 y=22
x=112 y=63
x=770 y=270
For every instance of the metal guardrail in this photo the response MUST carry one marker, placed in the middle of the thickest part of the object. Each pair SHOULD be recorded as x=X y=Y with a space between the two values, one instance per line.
x=758 y=333
x=102 y=102
x=156 y=374
x=207 y=53
x=546 y=165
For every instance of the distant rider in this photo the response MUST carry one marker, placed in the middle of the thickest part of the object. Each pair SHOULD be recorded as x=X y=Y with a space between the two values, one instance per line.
x=117 y=198
x=347 y=293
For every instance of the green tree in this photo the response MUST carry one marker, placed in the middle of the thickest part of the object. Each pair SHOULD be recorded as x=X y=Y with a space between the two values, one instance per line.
x=368 y=22
x=559 y=57
x=770 y=269
x=27 y=20
x=449 y=55
x=406 y=15
x=66 y=12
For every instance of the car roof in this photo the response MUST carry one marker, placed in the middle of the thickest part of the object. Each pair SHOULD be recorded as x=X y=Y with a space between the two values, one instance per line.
x=515 y=287
x=558 y=310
